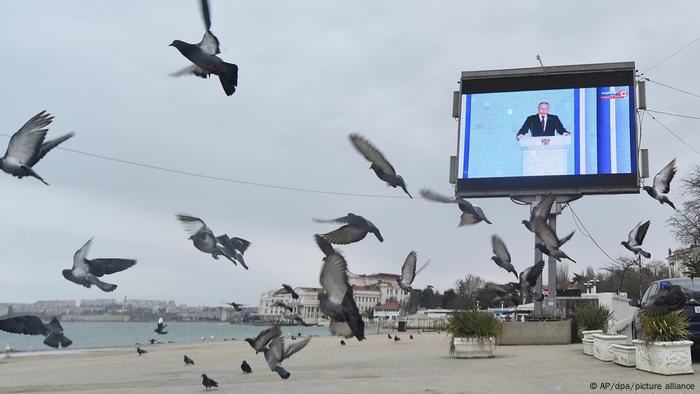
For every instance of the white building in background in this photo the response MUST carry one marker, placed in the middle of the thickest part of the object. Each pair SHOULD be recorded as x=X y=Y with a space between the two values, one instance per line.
x=369 y=291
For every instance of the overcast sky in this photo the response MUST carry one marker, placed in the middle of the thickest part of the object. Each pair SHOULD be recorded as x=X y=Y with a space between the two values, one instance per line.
x=310 y=73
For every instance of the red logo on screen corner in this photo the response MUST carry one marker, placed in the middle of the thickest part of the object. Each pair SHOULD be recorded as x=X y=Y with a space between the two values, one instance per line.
x=612 y=95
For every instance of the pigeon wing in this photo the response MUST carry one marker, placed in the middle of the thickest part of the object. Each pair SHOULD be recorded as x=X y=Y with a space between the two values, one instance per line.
x=204 y=5
x=499 y=248
x=324 y=245
x=345 y=235
x=192 y=224
x=54 y=325
x=343 y=219
x=542 y=209
x=26 y=142
x=437 y=197
x=47 y=146
x=190 y=70
x=100 y=267
x=334 y=278
x=79 y=256
x=547 y=235
x=533 y=273
x=27 y=325
x=422 y=267
x=662 y=180
x=266 y=336
x=371 y=153
x=275 y=354
x=209 y=44
x=295 y=347
x=640 y=233
x=408 y=270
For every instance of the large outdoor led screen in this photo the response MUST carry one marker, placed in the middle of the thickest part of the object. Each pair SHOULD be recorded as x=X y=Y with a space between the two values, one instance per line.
x=561 y=133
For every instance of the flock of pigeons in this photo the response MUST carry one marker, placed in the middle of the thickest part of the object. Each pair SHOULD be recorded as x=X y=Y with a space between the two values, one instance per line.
x=28 y=146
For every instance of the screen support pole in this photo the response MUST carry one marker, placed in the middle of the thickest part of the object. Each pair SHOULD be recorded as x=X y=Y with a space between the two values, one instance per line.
x=552 y=271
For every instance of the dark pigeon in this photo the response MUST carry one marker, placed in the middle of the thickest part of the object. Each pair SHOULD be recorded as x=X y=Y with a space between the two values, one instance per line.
x=380 y=165
x=336 y=300
x=528 y=279
x=235 y=247
x=291 y=291
x=236 y=307
x=188 y=361
x=501 y=256
x=662 y=184
x=355 y=229
x=263 y=338
x=85 y=272
x=551 y=244
x=577 y=278
x=408 y=271
x=281 y=304
x=389 y=336
x=245 y=367
x=635 y=239
x=410 y=337
x=160 y=327
x=204 y=59
x=342 y=342
x=27 y=147
x=140 y=351
x=32 y=325
x=208 y=382
x=471 y=214
x=396 y=338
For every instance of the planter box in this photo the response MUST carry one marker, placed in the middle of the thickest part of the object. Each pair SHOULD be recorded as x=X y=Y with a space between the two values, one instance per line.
x=601 y=345
x=625 y=355
x=590 y=333
x=665 y=358
x=473 y=348
x=587 y=346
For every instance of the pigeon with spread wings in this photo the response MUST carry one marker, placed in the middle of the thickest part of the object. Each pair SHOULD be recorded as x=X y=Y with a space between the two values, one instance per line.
x=501 y=256
x=204 y=240
x=355 y=229
x=635 y=239
x=380 y=165
x=471 y=214
x=27 y=147
x=32 y=325
x=408 y=271
x=204 y=59
x=85 y=272
x=662 y=184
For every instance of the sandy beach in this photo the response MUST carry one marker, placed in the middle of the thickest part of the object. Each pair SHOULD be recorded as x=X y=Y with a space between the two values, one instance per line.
x=376 y=365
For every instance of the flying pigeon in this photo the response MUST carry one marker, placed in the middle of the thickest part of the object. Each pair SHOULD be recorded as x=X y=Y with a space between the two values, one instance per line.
x=140 y=351
x=537 y=296
x=551 y=244
x=540 y=213
x=662 y=184
x=577 y=278
x=160 y=327
x=342 y=342
x=635 y=239
x=291 y=291
x=204 y=59
x=380 y=165
x=355 y=229
x=276 y=352
x=296 y=318
x=208 y=383
x=528 y=279
x=408 y=272
x=85 y=272
x=281 y=304
x=204 y=240
x=471 y=214
x=263 y=338
x=336 y=300
x=502 y=291
x=188 y=361
x=669 y=299
x=27 y=147
x=245 y=367
x=32 y=325
x=236 y=307
x=235 y=247
x=502 y=257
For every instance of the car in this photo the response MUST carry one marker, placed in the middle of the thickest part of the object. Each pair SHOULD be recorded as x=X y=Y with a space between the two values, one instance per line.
x=691 y=311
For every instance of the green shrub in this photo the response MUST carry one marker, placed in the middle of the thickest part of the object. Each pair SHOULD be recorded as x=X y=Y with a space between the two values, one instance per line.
x=593 y=317
x=667 y=328
x=472 y=323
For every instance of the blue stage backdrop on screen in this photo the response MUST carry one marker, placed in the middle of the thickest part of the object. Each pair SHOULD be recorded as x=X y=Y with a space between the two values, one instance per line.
x=579 y=131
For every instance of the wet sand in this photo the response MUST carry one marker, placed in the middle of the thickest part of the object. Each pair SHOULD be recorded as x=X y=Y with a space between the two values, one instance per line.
x=377 y=365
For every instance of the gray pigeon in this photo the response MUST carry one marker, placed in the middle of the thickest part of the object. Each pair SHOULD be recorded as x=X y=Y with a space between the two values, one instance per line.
x=380 y=165
x=501 y=256
x=276 y=352
x=336 y=300
x=540 y=213
x=85 y=272
x=408 y=271
x=263 y=338
x=203 y=238
x=27 y=147
x=471 y=214
x=662 y=184
x=551 y=244
x=635 y=239
x=528 y=279
x=235 y=247
x=204 y=59
x=236 y=307
x=355 y=229
x=291 y=291
x=32 y=325
x=296 y=318
x=503 y=292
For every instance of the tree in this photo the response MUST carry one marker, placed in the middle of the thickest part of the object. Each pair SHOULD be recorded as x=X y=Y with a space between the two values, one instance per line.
x=685 y=223
x=562 y=276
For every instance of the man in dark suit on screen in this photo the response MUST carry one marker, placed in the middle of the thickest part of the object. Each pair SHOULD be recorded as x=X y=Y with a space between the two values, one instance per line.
x=543 y=124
